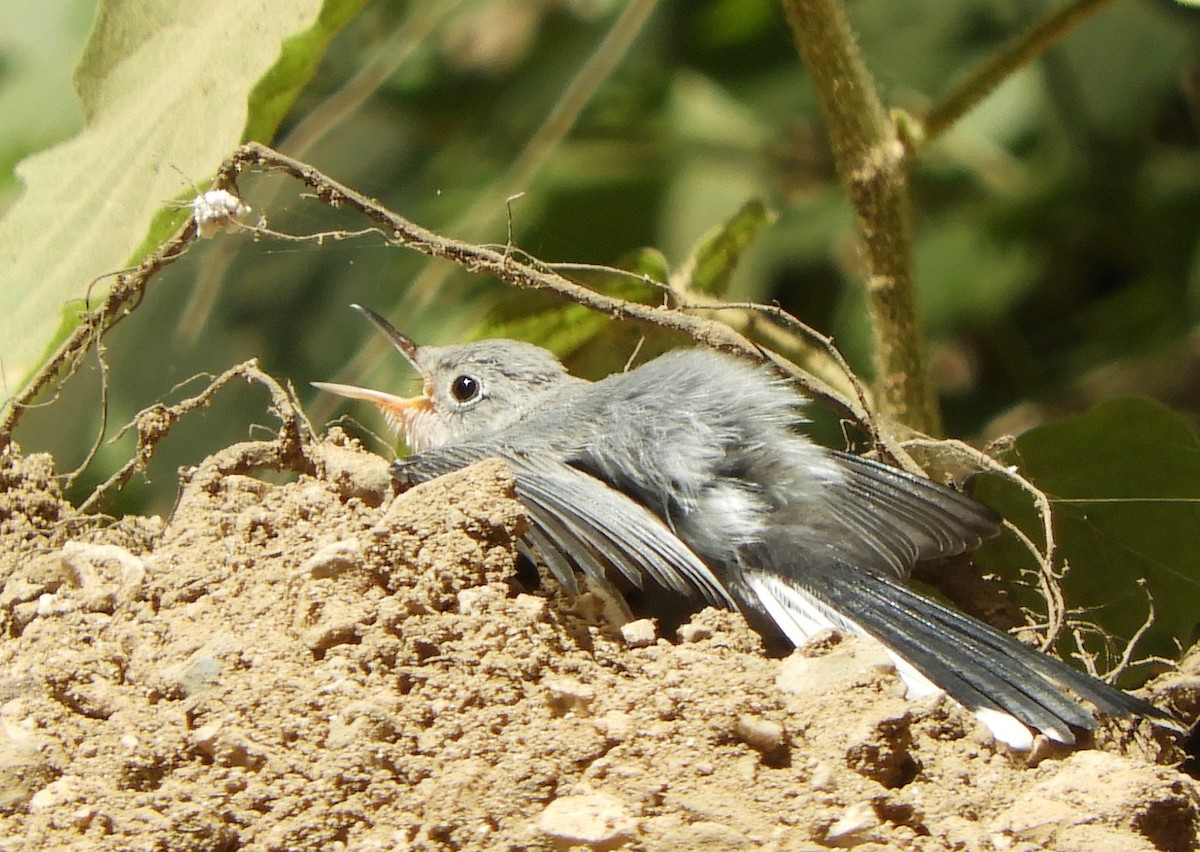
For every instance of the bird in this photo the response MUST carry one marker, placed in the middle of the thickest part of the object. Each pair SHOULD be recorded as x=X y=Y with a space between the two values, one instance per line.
x=691 y=473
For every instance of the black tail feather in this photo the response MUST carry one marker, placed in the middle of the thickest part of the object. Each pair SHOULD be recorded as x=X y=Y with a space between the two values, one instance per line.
x=977 y=665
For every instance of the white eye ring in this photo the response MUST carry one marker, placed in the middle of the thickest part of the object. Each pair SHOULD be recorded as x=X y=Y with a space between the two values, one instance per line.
x=464 y=388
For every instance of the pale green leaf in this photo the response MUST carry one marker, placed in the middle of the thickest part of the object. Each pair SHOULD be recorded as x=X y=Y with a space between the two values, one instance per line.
x=716 y=254
x=164 y=88
x=40 y=40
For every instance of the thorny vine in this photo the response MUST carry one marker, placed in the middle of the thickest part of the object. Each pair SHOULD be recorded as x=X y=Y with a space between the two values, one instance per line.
x=681 y=312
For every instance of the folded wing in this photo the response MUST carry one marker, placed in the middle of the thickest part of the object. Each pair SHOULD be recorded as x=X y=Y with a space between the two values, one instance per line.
x=881 y=518
x=580 y=523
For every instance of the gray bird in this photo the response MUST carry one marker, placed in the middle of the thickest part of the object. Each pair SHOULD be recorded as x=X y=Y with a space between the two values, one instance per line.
x=688 y=472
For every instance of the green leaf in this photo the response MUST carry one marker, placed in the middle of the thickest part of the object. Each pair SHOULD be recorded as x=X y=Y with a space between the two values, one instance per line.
x=36 y=99
x=166 y=91
x=1124 y=485
x=649 y=262
x=564 y=328
x=561 y=329
x=717 y=253
x=274 y=94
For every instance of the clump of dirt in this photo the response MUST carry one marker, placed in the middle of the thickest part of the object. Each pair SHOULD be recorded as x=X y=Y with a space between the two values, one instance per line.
x=316 y=665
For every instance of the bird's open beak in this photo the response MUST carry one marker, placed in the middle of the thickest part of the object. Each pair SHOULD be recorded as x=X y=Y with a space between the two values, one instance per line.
x=398 y=407
x=400 y=411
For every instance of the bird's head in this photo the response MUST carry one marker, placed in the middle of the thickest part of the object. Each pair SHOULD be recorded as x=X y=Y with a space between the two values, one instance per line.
x=469 y=389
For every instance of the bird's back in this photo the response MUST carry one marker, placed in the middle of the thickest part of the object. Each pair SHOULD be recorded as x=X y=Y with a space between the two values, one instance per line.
x=711 y=444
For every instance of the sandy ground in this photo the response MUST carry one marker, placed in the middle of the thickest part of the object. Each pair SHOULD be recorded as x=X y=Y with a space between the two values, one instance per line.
x=316 y=665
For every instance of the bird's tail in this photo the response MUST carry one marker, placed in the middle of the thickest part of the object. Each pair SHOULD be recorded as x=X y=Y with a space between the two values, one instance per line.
x=1009 y=686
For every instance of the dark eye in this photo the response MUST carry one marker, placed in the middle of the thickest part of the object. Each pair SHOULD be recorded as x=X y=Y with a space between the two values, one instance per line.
x=464 y=388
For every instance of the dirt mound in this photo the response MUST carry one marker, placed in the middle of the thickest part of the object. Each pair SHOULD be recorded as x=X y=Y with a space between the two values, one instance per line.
x=315 y=665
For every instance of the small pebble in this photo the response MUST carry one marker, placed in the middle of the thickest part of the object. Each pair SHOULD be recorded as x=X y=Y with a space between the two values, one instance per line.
x=762 y=735
x=640 y=633
x=594 y=820
x=570 y=696
x=692 y=632
x=855 y=820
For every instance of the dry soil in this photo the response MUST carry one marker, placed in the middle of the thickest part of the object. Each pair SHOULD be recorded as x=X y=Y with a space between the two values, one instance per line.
x=321 y=665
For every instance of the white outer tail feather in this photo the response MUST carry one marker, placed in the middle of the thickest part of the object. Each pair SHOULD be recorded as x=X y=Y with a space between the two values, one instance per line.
x=801 y=616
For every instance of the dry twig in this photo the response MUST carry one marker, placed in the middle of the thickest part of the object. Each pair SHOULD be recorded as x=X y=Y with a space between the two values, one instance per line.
x=288 y=451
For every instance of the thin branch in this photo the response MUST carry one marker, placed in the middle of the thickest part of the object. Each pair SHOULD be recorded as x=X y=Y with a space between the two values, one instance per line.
x=102 y=366
x=1126 y=662
x=154 y=423
x=503 y=264
x=871 y=161
x=1010 y=57
x=1048 y=576
x=422 y=21
x=93 y=323
x=1082 y=653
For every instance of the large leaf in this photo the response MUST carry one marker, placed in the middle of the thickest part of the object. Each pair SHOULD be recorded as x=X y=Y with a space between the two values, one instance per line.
x=167 y=90
x=36 y=99
x=1124 y=483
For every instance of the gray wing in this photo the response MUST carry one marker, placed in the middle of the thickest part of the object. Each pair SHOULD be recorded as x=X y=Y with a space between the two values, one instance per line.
x=889 y=520
x=580 y=523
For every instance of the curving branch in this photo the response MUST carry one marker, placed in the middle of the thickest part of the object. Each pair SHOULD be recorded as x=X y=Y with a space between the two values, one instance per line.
x=1019 y=51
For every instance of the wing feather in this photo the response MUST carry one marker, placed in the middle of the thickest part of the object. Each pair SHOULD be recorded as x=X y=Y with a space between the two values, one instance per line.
x=894 y=519
x=579 y=521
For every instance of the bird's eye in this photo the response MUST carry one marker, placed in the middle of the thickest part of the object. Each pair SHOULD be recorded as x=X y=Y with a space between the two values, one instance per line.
x=464 y=388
